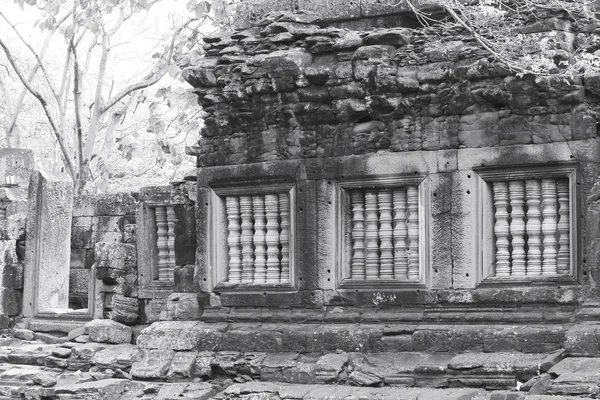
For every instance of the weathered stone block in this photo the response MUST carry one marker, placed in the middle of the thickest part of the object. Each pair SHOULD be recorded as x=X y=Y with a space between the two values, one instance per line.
x=108 y=331
x=83 y=237
x=182 y=365
x=81 y=355
x=182 y=307
x=184 y=279
x=10 y=302
x=129 y=233
x=120 y=356
x=12 y=276
x=202 y=367
x=176 y=335
x=115 y=260
x=153 y=365
x=582 y=341
x=79 y=281
x=124 y=309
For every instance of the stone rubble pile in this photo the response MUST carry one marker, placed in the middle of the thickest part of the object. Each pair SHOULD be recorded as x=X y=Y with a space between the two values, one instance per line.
x=100 y=362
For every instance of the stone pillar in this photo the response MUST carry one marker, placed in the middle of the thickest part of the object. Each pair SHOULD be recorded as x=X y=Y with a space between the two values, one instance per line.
x=48 y=248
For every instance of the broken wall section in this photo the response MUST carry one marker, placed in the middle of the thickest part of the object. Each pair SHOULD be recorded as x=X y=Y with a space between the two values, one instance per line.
x=103 y=249
x=16 y=166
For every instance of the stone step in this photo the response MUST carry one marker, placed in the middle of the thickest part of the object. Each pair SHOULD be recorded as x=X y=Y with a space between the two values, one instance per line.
x=282 y=391
x=411 y=369
x=366 y=338
x=55 y=325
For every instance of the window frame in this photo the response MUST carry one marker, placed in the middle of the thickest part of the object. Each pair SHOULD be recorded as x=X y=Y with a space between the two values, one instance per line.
x=344 y=242
x=485 y=222
x=219 y=249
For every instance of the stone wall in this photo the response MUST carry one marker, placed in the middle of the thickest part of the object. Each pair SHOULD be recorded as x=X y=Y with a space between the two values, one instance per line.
x=103 y=242
x=17 y=163
x=291 y=89
x=293 y=101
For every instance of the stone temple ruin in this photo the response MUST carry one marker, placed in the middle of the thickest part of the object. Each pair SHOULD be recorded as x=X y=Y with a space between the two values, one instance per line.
x=370 y=208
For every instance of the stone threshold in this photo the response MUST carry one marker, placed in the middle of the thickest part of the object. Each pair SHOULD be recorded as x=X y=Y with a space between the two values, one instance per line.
x=63 y=325
x=366 y=338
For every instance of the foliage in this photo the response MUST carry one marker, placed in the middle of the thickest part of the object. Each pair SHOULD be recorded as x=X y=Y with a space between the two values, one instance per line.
x=528 y=36
x=96 y=112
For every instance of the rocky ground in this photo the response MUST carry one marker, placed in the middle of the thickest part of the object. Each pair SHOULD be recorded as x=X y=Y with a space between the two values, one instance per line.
x=99 y=362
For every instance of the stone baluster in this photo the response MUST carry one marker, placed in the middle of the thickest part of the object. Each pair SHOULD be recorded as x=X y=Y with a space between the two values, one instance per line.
x=260 y=246
x=162 y=242
x=549 y=211
x=501 y=228
x=563 y=227
x=272 y=238
x=412 y=200
x=284 y=236
x=232 y=205
x=386 y=234
x=534 y=227
x=357 y=201
x=371 y=236
x=171 y=222
x=400 y=234
x=516 y=191
x=247 y=239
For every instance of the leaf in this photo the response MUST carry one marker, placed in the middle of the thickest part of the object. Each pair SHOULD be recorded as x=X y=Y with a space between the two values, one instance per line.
x=173 y=71
x=191 y=5
x=202 y=9
x=52 y=8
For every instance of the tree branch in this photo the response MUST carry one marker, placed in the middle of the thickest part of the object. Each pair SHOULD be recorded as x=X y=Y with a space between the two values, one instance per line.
x=97 y=109
x=44 y=104
x=32 y=72
x=149 y=79
x=482 y=41
x=35 y=55
x=76 y=100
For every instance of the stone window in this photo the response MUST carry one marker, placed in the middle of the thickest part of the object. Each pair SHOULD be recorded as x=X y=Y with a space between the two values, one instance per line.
x=384 y=233
x=164 y=220
x=256 y=229
x=529 y=224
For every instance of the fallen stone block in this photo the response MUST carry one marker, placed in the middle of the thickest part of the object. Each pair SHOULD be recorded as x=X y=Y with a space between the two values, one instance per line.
x=46 y=378
x=203 y=368
x=56 y=362
x=61 y=352
x=108 y=331
x=119 y=356
x=250 y=364
x=182 y=366
x=81 y=355
x=104 y=389
x=329 y=366
x=74 y=333
x=31 y=354
x=153 y=365
x=48 y=338
x=24 y=334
